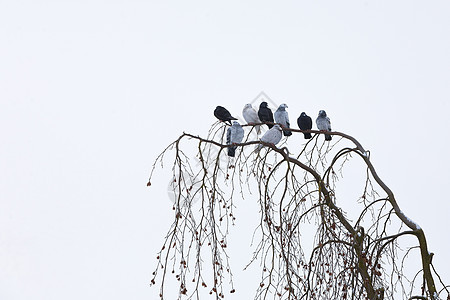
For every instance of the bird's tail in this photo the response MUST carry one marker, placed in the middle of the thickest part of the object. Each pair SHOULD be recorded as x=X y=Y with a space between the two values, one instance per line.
x=327 y=137
x=287 y=132
x=258 y=147
x=258 y=129
x=232 y=151
x=307 y=135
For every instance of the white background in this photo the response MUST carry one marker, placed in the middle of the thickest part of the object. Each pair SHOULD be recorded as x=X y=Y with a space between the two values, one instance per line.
x=92 y=91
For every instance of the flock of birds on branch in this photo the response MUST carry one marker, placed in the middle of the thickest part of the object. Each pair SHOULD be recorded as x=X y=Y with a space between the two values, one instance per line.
x=235 y=133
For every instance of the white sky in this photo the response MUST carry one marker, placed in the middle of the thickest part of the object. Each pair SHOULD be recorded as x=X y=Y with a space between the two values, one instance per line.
x=92 y=91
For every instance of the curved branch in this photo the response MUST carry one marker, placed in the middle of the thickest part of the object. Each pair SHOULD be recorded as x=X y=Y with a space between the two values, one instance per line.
x=357 y=243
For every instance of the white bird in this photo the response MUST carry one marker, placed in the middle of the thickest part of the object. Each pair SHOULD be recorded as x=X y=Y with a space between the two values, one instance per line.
x=272 y=136
x=281 y=116
x=251 y=117
x=235 y=134
x=324 y=124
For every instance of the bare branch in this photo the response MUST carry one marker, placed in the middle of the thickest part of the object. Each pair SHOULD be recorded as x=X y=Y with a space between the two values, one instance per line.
x=348 y=259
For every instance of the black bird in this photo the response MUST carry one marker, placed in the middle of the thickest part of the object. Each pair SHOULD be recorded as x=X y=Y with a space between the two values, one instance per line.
x=265 y=114
x=223 y=114
x=305 y=123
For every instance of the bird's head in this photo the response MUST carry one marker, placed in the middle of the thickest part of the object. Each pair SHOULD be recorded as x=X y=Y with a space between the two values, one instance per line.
x=248 y=105
x=283 y=106
x=263 y=104
x=277 y=127
x=303 y=114
x=236 y=123
x=322 y=113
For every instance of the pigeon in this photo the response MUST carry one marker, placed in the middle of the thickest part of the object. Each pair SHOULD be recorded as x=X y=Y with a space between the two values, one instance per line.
x=251 y=117
x=282 y=117
x=324 y=124
x=265 y=114
x=235 y=134
x=305 y=123
x=272 y=136
x=223 y=114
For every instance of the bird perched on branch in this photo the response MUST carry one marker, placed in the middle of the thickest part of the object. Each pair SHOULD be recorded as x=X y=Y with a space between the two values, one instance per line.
x=323 y=124
x=305 y=123
x=272 y=136
x=265 y=114
x=235 y=134
x=251 y=117
x=223 y=114
x=282 y=117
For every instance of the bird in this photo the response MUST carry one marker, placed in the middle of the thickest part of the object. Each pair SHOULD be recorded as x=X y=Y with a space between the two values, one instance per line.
x=235 y=134
x=272 y=136
x=223 y=114
x=251 y=117
x=323 y=124
x=265 y=114
x=305 y=123
x=282 y=117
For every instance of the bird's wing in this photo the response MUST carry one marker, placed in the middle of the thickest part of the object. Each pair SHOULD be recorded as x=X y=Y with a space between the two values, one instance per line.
x=322 y=123
x=288 y=125
x=221 y=113
x=329 y=124
x=265 y=114
x=270 y=115
x=319 y=123
x=229 y=135
x=276 y=137
x=266 y=136
x=254 y=115
x=246 y=115
x=282 y=118
x=239 y=135
x=262 y=114
x=277 y=116
x=271 y=136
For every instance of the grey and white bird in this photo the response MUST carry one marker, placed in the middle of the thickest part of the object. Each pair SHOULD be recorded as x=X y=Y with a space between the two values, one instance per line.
x=251 y=117
x=235 y=134
x=272 y=136
x=323 y=124
x=281 y=117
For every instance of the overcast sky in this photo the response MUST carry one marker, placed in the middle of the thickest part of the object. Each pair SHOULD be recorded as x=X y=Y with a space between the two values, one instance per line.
x=92 y=91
